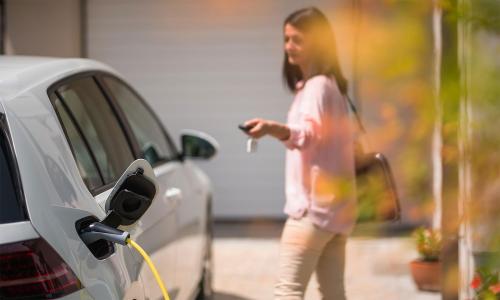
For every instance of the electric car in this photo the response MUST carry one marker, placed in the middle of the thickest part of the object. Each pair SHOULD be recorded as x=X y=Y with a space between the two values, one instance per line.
x=69 y=128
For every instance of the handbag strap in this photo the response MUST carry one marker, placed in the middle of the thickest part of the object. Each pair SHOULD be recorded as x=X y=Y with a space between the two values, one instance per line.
x=355 y=113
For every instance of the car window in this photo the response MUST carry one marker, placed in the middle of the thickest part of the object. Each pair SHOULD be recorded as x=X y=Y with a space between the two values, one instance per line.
x=93 y=118
x=152 y=139
x=87 y=164
x=10 y=203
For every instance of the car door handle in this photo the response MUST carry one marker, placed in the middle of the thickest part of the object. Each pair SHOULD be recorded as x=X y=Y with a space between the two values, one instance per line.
x=173 y=195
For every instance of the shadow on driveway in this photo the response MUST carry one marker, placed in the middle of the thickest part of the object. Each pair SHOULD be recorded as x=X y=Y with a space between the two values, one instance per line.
x=225 y=296
x=256 y=228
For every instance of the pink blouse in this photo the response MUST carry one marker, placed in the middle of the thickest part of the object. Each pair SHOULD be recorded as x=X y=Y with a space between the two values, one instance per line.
x=320 y=158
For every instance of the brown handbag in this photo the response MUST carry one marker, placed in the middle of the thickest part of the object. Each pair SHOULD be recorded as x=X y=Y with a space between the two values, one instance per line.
x=377 y=196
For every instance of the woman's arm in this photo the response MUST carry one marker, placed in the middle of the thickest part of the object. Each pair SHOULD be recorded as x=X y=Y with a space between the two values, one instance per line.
x=310 y=126
x=313 y=114
x=294 y=136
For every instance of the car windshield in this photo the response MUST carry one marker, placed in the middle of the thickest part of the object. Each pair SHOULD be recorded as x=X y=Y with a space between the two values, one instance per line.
x=11 y=208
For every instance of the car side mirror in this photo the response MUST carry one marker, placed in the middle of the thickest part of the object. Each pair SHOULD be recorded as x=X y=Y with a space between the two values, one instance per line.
x=197 y=144
x=132 y=195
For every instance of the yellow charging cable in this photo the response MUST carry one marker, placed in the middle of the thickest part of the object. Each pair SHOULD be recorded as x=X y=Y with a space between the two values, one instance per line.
x=151 y=266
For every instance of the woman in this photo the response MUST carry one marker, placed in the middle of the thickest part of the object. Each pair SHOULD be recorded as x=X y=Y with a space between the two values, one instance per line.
x=319 y=160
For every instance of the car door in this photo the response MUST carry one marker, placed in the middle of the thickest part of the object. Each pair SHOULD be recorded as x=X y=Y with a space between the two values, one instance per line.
x=157 y=231
x=102 y=153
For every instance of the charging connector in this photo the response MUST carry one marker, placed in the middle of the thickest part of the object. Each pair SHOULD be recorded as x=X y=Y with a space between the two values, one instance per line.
x=98 y=231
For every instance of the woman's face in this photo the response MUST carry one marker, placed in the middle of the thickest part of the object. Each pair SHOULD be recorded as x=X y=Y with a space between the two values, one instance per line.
x=296 y=46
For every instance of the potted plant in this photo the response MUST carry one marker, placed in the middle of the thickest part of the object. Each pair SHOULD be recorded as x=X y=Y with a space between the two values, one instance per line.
x=426 y=269
x=486 y=285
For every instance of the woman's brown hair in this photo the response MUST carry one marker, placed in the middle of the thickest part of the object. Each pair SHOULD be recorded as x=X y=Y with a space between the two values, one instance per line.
x=325 y=62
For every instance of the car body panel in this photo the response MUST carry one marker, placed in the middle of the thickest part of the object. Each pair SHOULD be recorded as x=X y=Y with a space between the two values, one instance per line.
x=192 y=230
x=16 y=232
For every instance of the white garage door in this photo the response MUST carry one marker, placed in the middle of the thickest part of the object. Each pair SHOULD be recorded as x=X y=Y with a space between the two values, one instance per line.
x=207 y=65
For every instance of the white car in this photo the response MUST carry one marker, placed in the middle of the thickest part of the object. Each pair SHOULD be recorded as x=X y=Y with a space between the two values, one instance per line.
x=69 y=128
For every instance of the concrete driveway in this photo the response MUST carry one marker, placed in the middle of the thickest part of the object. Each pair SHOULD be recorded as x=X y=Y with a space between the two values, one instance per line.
x=245 y=258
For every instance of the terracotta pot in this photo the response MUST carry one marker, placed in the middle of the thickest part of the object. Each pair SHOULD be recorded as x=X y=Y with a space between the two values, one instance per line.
x=426 y=275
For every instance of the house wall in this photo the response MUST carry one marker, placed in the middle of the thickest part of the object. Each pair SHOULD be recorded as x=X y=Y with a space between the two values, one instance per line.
x=43 y=27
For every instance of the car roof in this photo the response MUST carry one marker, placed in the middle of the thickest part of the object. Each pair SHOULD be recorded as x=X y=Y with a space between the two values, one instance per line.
x=20 y=73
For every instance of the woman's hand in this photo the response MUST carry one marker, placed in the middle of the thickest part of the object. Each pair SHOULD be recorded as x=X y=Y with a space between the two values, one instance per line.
x=257 y=128
x=261 y=127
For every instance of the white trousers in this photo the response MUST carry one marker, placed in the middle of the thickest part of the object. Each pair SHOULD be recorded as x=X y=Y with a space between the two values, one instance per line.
x=305 y=248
